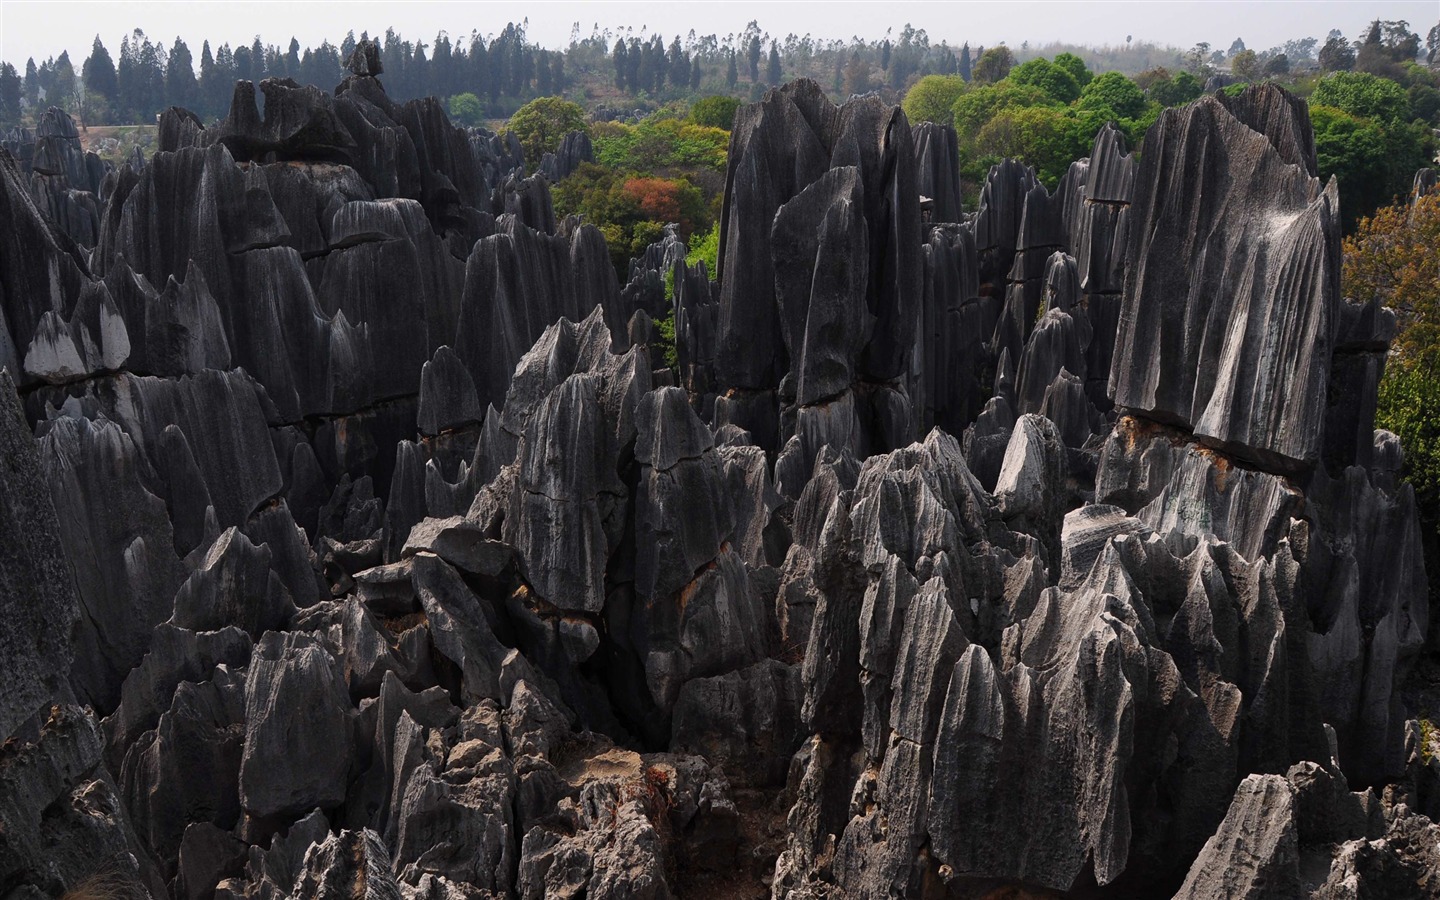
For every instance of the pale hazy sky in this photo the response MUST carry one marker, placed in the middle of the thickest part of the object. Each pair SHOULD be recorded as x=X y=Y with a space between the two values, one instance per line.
x=43 y=29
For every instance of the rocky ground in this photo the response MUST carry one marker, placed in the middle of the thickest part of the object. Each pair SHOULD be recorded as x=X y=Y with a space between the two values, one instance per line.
x=354 y=545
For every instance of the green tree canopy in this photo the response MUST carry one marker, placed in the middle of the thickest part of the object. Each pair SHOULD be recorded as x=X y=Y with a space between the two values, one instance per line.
x=1113 y=91
x=979 y=105
x=1177 y=91
x=1055 y=81
x=99 y=71
x=1364 y=95
x=994 y=64
x=932 y=99
x=542 y=123
x=714 y=112
x=1076 y=67
x=467 y=109
x=1245 y=64
x=1353 y=150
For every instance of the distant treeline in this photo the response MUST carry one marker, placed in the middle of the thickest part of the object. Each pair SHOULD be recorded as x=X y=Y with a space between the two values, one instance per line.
x=505 y=69
x=502 y=70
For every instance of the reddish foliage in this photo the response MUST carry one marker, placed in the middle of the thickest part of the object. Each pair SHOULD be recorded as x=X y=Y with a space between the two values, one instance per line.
x=658 y=198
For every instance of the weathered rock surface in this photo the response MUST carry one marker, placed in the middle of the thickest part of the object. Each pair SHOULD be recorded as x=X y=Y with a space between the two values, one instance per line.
x=1048 y=550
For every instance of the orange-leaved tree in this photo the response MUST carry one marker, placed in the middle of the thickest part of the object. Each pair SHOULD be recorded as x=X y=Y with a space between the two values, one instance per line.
x=1395 y=255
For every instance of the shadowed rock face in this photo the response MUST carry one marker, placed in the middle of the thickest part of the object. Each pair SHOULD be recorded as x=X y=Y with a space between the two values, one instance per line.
x=1048 y=547
x=1237 y=349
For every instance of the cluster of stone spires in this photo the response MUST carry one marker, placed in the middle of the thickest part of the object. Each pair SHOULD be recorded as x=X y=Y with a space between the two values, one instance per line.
x=355 y=542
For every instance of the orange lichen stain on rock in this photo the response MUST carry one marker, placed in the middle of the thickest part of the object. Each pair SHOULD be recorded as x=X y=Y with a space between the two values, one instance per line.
x=683 y=598
x=1221 y=463
x=1132 y=430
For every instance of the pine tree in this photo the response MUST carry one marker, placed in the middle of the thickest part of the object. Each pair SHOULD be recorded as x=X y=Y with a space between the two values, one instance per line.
x=259 y=63
x=633 y=58
x=442 y=81
x=32 y=82
x=965 y=61
x=418 y=70
x=542 y=74
x=753 y=52
x=244 y=65
x=347 y=46
x=557 y=72
x=695 y=74
x=479 y=63
x=225 y=78
x=622 y=65
x=292 y=59
x=206 y=85
x=99 y=70
x=10 y=90
x=180 y=86
x=152 y=72
x=679 y=64
x=63 y=83
x=772 y=69
x=732 y=72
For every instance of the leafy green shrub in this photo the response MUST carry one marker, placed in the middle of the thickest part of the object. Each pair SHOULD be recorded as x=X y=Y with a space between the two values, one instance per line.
x=706 y=249
x=714 y=112
x=466 y=109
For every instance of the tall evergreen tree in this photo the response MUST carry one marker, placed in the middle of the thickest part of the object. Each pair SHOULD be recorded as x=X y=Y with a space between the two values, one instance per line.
x=152 y=72
x=244 y=65
x=753 y=53
x=633 y=59
x=732 y=72
x=10 y=90
x=292 y=59
x=209 y=104
x=622 y=65
x=225 y=78
x=418 y=71
x=347 y=46
x=260 y=68
x=32 y=82
x=557 y=72
x=965 y=61
x=479 y=66
x=679 y=64
x=180 y=86
x=772 y=68
x=99 y=71
x=442 y=80
x=695 y=73
x=63 y=83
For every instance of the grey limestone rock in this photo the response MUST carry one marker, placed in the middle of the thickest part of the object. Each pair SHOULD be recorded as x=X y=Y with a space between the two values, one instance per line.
x=297 y=751
x=1256 y=852
x=38 y=600
x=1261 y=303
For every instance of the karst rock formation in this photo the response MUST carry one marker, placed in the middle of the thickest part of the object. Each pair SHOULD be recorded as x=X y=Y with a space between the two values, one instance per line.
x=355 y=542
